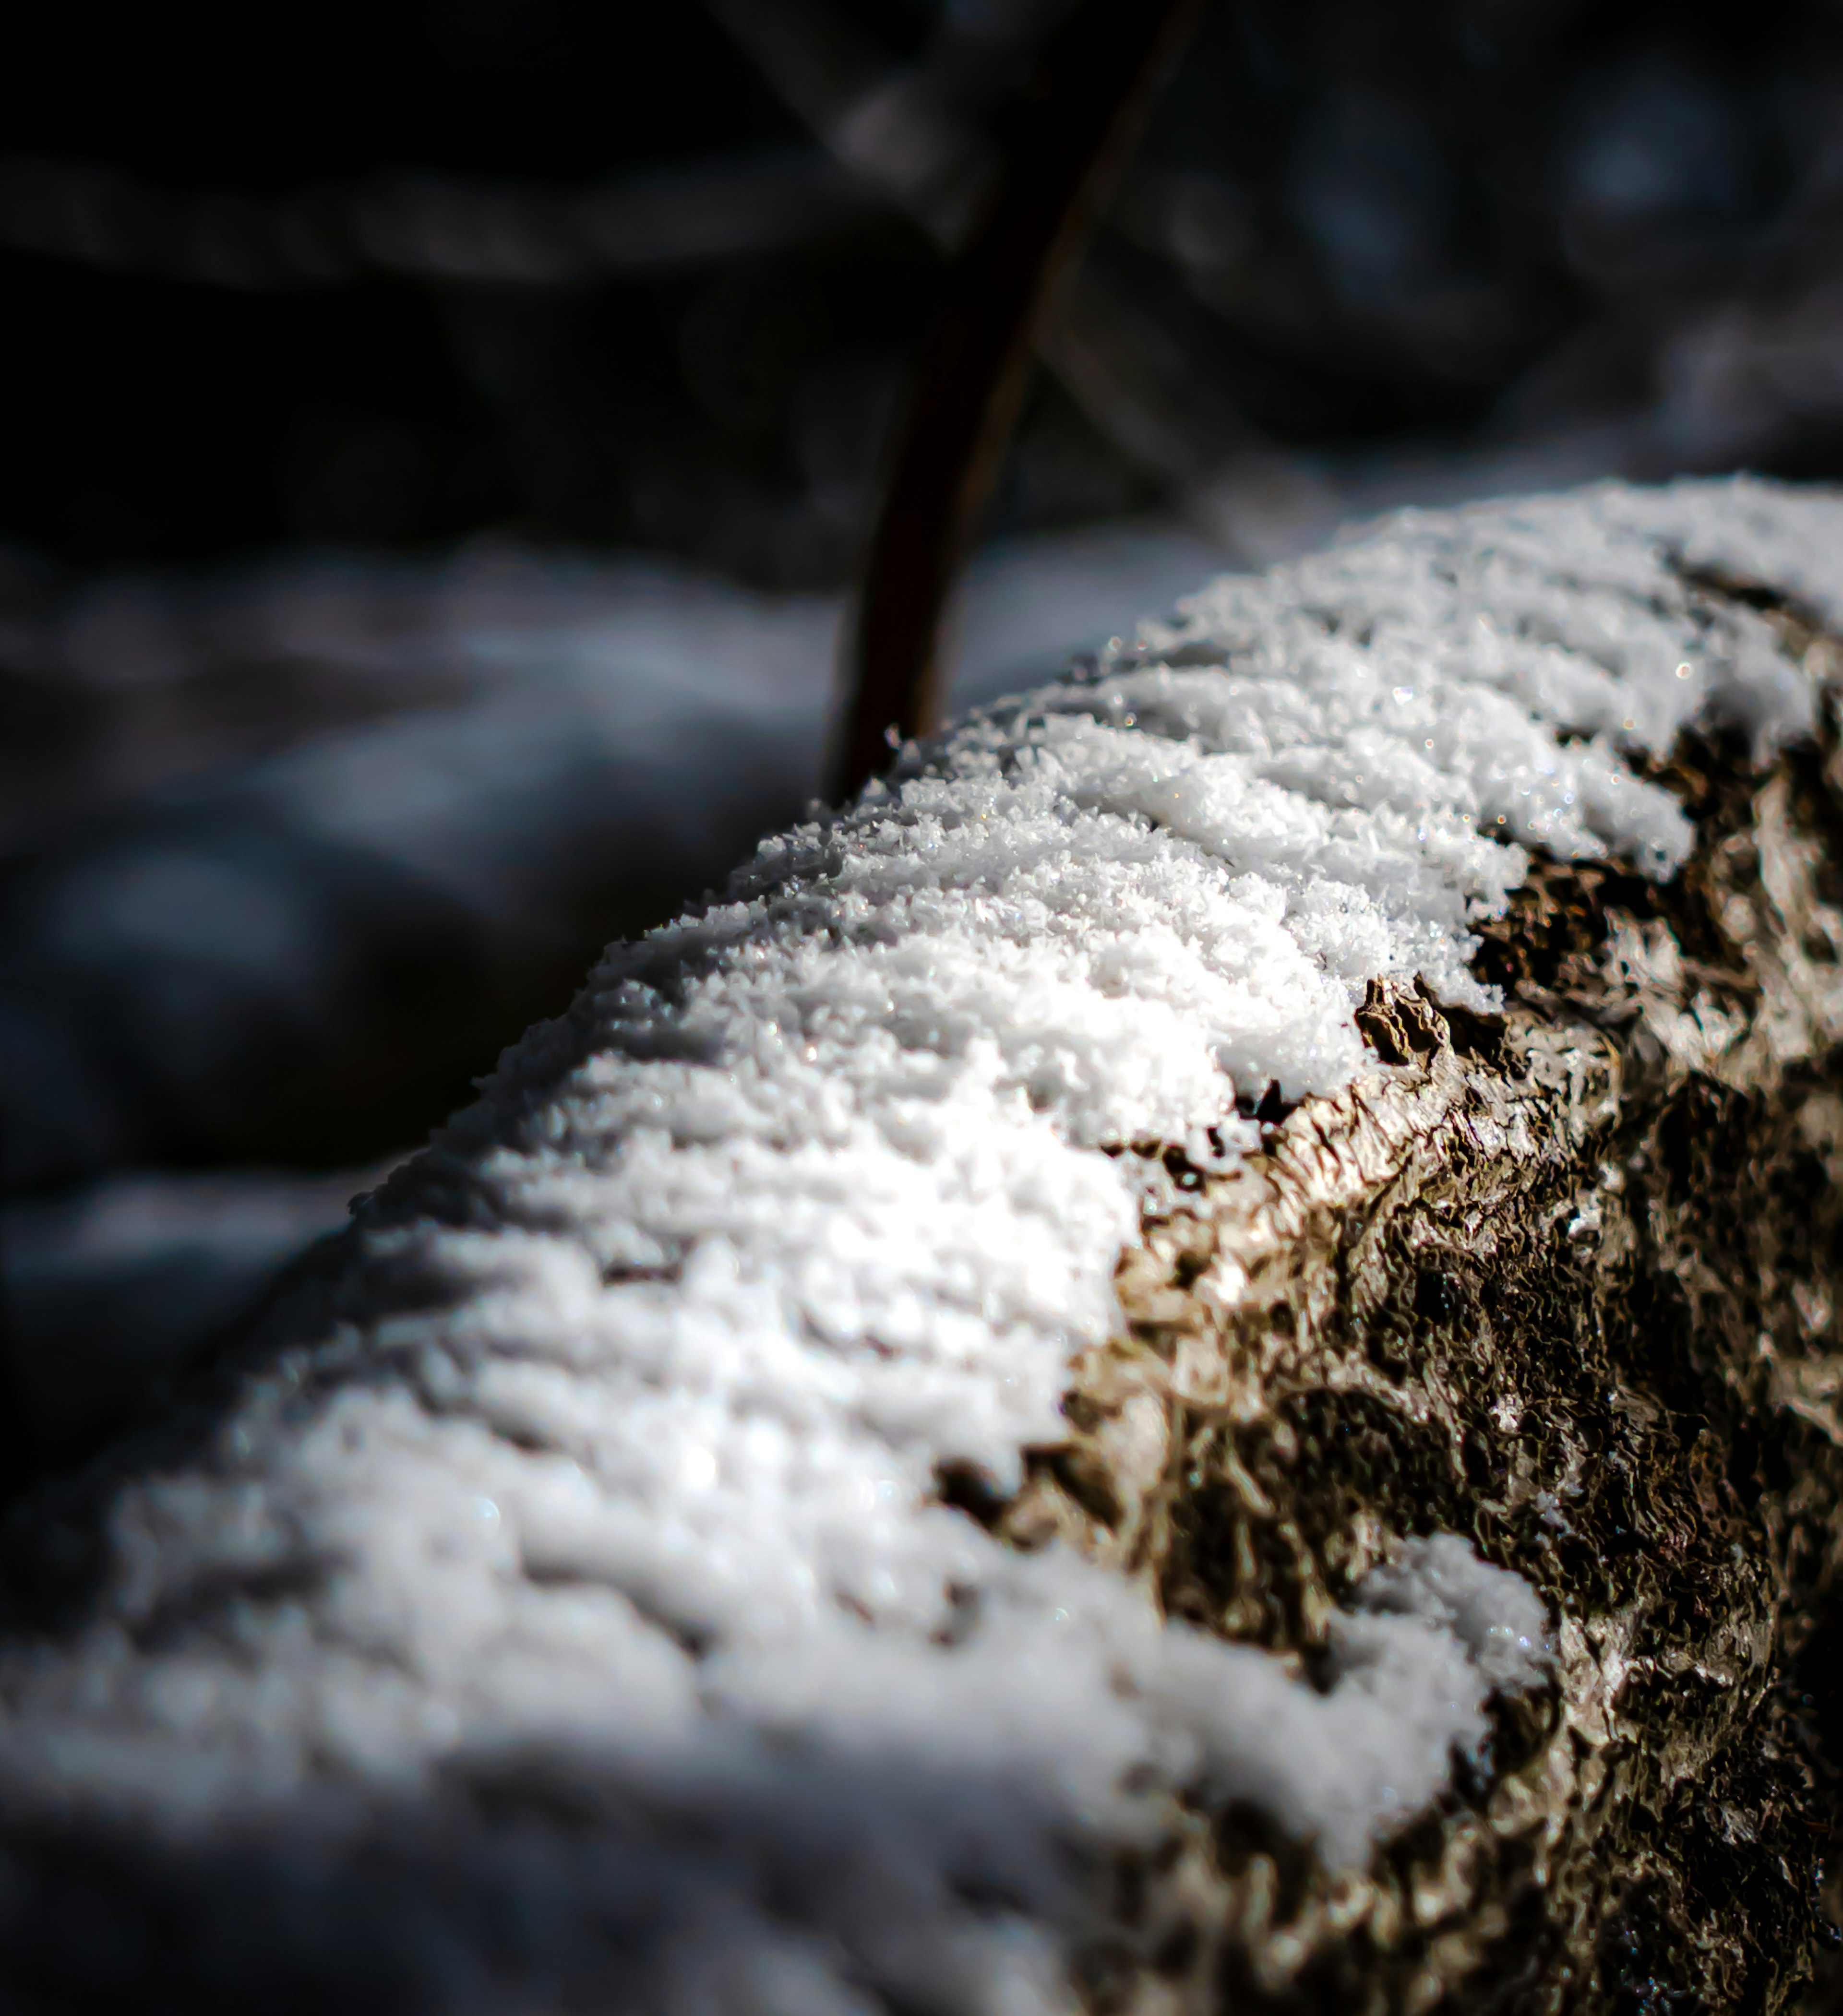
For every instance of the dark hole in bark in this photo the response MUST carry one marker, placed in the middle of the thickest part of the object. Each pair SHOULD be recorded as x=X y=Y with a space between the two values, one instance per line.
x=1436 y=1298
x=1270 y=1109
x=971 y=1489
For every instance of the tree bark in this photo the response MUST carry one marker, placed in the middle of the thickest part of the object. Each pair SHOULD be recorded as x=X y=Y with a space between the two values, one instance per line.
x=1566 y=1282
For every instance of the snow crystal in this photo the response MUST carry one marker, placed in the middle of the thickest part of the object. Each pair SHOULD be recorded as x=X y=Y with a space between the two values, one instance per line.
x=609 y=1458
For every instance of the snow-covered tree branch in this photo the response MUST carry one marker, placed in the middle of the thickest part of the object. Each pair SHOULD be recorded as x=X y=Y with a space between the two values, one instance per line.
x=1188 y=1360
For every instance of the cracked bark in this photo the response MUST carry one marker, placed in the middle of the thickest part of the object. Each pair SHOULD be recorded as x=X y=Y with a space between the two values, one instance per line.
x=1567 y=1283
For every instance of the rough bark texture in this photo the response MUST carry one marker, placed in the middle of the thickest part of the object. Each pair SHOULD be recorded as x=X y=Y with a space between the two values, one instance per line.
x=1567 y=1284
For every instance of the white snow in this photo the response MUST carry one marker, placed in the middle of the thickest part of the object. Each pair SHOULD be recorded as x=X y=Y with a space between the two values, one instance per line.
x=484 y=749
x=611 y=1454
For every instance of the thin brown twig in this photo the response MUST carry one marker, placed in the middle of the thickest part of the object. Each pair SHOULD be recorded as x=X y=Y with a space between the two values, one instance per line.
x=1076 y=125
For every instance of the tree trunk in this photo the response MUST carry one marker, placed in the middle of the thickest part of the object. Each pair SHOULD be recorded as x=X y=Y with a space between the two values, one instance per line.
x=708 y=1539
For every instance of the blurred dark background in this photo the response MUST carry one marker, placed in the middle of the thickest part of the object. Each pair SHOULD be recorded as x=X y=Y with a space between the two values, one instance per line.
x=436 y=437
x=385 y=275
